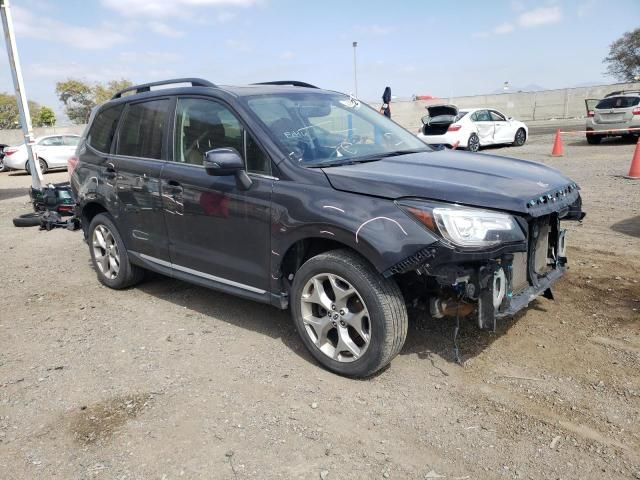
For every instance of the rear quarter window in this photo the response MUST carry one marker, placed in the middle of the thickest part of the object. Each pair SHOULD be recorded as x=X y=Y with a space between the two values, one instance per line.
x=103 y=128
x=618 y=102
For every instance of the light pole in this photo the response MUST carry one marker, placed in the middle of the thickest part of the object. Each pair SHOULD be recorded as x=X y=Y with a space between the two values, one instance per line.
x=355 y=69
x=21 y=97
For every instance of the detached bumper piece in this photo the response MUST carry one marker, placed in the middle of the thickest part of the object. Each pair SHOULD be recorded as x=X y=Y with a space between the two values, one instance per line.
x=501 y=283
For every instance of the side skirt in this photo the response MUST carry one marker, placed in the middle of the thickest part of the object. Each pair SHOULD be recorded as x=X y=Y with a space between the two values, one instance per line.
x=209 y=281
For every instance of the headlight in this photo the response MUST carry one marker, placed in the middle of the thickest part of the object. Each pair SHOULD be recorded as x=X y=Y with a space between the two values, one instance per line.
x=464 y=226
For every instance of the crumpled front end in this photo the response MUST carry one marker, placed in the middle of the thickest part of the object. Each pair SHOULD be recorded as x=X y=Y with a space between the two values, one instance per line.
x=490 y=284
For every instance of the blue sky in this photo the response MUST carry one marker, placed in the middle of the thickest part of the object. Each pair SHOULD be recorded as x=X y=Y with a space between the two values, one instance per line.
x=416 y=47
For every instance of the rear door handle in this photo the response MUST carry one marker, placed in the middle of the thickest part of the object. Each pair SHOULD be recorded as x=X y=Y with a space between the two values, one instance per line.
x=110 y=172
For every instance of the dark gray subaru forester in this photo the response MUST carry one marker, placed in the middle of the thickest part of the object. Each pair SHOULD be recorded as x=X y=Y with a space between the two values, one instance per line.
x=310 y=200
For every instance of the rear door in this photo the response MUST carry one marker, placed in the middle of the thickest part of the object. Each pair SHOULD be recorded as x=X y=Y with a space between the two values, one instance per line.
x=217 y=230
x=503 y=131
x=140 y=155
x=484 y=123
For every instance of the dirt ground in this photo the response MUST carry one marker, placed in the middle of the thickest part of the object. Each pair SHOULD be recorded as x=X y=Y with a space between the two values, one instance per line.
x=169 y=380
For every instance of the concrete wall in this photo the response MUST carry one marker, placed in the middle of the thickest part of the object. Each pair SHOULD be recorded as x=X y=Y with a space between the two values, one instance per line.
x=15 y=137
x=544 y=105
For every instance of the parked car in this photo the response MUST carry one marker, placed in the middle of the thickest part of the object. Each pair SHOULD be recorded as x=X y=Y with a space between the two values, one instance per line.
x=617 y=111
x=52 y=151
x=2 y=147
x=310 y=200
x=470 y=128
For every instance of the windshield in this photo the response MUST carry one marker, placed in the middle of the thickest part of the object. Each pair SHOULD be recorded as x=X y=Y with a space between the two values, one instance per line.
x=320 y=129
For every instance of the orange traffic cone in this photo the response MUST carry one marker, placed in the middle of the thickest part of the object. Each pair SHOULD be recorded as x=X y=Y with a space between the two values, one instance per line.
x=557 y=146
x=634 y=169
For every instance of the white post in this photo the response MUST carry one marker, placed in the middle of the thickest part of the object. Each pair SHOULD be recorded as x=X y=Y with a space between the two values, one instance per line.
x=21 y=97
x=355 y=69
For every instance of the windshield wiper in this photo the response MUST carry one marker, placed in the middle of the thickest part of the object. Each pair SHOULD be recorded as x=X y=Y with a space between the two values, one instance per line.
x=367 y=158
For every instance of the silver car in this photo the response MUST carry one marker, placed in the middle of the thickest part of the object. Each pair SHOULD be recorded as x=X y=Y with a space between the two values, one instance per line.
x=613 y=116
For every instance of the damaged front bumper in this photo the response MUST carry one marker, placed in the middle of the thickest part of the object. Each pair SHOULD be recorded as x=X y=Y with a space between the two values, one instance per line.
x=493 y=284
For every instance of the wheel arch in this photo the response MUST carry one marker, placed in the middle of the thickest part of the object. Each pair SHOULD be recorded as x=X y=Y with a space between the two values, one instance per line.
x=305 y=248
x=87 y=213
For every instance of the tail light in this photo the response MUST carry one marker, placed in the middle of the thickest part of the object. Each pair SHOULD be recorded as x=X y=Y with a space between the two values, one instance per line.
x=454 y=128
x=636 y=111
x=72 y=163
x=590 y=113
x=10 y=150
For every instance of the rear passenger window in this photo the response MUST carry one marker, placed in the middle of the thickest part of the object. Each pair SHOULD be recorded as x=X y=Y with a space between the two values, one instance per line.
x=142 y=129
x=103 y=128
x=71 y=141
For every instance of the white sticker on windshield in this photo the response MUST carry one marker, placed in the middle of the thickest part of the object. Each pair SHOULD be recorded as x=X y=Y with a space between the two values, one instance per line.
x=351 y=103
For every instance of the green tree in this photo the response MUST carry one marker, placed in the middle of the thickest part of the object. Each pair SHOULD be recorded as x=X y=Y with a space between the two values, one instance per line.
x=9 y=114
x=103 y=93
x=623 y=61
x=80 y=97
x=43 y=117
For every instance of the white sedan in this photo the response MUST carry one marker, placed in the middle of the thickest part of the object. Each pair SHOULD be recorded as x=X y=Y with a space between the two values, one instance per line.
x=470 y=128
x=52 y=151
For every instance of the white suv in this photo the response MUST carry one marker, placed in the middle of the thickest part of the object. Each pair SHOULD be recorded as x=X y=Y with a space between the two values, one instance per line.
x=614 y=116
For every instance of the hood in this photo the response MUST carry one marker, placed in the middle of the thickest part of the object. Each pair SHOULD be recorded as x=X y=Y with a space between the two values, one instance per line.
x=481 y=180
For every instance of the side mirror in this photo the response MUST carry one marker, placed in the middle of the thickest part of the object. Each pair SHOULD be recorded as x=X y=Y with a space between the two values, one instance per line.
x=509 y=118
x=224 y=162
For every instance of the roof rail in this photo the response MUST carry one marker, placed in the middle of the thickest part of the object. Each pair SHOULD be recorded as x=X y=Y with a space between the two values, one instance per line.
x=621 y=92
x=293 y=83
x=146 y=87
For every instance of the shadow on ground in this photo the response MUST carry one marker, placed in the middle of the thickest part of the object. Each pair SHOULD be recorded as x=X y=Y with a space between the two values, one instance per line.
x=426 y=337
x=630 y=226
x=7 y=193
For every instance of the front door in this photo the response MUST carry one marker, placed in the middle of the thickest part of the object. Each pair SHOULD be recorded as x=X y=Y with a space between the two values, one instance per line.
x=217 y=230
x=503 y=131
x=139 y=158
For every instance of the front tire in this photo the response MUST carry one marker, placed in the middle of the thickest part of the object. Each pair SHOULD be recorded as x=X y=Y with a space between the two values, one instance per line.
x=109 y=255
x=473 y=144
x=351 y=319
x=520 y=138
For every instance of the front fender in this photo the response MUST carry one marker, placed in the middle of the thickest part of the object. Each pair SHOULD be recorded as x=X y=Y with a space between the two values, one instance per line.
x=374 y=227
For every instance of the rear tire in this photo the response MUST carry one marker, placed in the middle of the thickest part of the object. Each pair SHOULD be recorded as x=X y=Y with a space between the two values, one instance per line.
x=109 y=255
x=44 y=168
x=594 y=139
x=473 y=144
x=368 y=322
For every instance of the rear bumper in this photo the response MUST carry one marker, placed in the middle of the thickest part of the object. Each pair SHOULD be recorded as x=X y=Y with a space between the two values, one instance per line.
x=608 y=128
x=446 y=139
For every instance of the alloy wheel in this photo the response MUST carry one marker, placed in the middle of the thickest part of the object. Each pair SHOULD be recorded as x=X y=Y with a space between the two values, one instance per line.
x=335 y=317
x=105 y=252
x=520 y=137
x=474 y=143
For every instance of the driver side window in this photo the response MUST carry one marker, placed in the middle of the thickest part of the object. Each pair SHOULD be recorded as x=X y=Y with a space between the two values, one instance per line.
x=202 y=125
x=496 y=117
